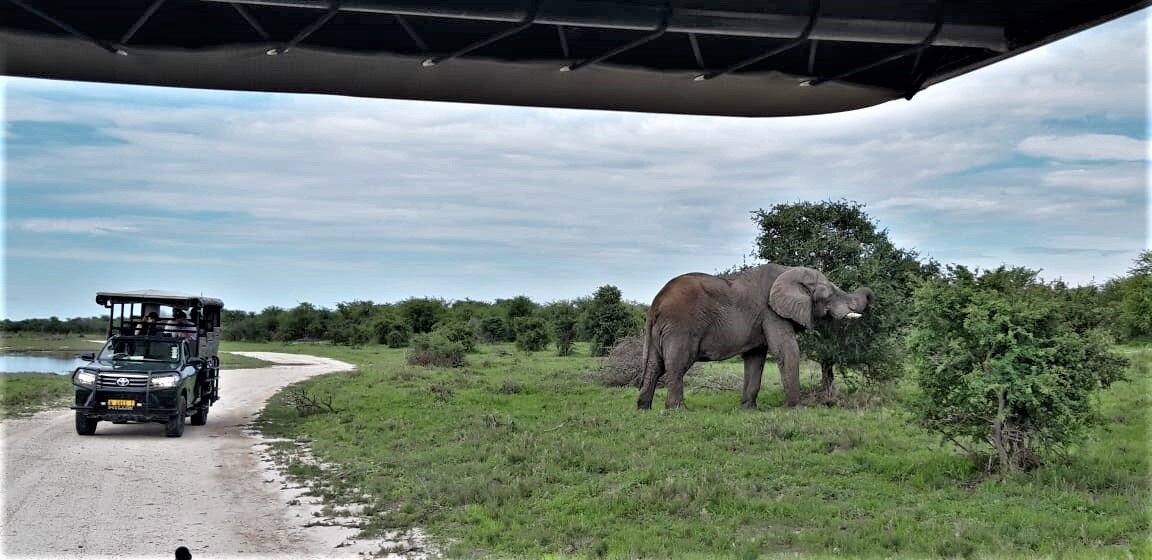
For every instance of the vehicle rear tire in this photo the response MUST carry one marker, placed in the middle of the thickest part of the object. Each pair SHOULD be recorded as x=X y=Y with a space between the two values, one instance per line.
x=85 y=426
x=200 y=417
x=175 y=425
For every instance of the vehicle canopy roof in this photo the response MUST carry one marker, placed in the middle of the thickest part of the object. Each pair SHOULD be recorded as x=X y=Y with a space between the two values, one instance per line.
x=159 y=297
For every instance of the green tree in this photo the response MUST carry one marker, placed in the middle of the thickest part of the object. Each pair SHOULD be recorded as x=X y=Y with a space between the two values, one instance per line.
x=492 y=329
x=841 y=240
x=562 y=316
x=388 y=329
x=269 y=323
x=608 y=319
x=531 y=334
x=305 y=321
x=467 y=309
x=422 y=314
x=514 y=310
x=999 y=362
x=458 y=332
x=349 y=333
x=1132 y=307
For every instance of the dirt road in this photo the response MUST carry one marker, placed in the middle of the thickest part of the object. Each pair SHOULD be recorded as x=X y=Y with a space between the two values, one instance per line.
x=130 y=492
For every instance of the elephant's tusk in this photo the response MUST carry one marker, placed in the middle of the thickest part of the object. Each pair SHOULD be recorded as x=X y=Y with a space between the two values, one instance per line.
x=853 y=316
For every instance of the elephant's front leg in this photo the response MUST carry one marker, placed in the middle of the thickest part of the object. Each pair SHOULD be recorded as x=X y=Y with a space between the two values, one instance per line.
x=782 y=343
x=787 y=352
x=753 y=373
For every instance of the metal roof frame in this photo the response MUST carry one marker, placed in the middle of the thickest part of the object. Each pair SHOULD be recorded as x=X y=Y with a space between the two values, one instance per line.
x=721 y=57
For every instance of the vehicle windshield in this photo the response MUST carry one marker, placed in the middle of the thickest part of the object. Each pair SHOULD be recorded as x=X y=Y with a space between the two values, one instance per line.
x=141 y=350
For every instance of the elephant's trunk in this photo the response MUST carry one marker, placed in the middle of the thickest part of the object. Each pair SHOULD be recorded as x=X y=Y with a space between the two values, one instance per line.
x=859 y=301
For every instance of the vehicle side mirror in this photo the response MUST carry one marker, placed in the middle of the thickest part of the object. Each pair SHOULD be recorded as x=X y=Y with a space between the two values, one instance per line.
x=88 y=357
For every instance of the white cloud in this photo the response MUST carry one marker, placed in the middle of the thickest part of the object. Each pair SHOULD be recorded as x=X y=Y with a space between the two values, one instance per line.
x=562 y=199
x=1086 y=147
x=1116 y=179
x=70 y=225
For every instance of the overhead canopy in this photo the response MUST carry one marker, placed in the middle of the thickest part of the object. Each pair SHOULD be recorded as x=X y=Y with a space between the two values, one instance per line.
x=719 y=57
x=158 y=297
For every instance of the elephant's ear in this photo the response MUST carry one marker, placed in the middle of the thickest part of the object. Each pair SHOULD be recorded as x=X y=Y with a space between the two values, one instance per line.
x=791 y=294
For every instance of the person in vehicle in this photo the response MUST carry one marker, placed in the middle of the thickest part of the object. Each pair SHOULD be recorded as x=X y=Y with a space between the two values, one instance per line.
x=149 y=325
x=182 y=327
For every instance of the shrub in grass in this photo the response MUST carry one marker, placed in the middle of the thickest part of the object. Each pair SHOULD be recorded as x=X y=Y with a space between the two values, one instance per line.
x=460 y=332
x=1000 y=364
x=624 y=364
x=607 y=320
x=531 y=334
x=433 y=349
x=350 y=334
x=564 y=327
x=397 y=338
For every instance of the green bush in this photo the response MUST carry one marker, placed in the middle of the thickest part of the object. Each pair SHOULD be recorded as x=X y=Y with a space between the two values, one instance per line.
x=435 y=350
x=459 y=332
x=350 y=334
x=1133 y=301
x=531 y=334
x=1000 y=364
x=608 y=320
x=397 y=338
x=493 y=329
x=563 y=321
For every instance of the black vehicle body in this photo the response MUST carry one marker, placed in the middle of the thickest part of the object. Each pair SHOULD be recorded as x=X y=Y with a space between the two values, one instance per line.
x=151 y=371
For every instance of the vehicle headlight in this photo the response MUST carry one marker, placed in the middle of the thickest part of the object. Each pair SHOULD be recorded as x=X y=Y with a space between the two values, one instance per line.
x=164 y=381
x=84 y=377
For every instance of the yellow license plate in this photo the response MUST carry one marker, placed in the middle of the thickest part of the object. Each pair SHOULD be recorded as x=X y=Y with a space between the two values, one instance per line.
x=121 y=403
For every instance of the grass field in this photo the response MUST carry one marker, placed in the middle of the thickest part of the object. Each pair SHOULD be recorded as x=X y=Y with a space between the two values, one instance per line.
x=24 y=393
x=519 y=455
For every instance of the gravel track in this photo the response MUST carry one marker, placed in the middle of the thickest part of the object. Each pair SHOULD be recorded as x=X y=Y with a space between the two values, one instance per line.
x=130 y=492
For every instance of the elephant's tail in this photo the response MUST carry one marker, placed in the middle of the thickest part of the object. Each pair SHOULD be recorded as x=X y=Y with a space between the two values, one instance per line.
x=650 y=372
x=646 y=344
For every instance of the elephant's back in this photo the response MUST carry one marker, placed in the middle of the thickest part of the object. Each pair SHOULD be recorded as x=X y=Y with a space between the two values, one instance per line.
x=687 y=293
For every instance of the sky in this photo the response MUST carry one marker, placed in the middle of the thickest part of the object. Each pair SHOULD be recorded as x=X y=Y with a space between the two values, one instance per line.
x=266 y=199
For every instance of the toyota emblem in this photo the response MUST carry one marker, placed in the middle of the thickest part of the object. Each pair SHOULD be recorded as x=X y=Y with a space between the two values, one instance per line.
x=123 y=381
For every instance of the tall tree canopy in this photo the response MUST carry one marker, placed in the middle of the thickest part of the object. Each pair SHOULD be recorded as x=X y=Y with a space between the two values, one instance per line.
x=839 y=239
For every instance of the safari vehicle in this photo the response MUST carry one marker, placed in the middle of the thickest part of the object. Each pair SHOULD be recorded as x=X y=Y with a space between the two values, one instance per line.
x=155 y=365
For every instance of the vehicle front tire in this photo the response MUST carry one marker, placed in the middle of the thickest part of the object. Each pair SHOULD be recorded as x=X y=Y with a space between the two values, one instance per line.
x=85 y=426
x=200 y=417
x=175 y=425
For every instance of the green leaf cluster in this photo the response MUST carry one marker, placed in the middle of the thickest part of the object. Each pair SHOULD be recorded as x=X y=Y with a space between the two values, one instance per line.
x=1000 y=363
x=1132 y=300
x=839 y=239
x=435 y=349
x=608 y=320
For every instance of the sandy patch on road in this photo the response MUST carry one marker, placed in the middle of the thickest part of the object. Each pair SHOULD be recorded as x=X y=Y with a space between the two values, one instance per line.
x=333 y=532
x=130 y=492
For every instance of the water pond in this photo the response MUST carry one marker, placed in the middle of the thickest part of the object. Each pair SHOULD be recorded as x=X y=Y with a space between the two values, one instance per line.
x=45 y=362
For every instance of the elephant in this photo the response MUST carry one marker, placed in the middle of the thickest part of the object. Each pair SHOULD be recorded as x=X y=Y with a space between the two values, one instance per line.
x=700 y=317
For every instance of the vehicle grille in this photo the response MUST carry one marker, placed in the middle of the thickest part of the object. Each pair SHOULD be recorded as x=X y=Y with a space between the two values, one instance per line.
x=109 y=380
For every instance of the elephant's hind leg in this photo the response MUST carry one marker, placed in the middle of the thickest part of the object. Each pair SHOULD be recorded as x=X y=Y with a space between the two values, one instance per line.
x=753 y=374
x=677 y=360
x=653 y=371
